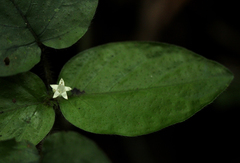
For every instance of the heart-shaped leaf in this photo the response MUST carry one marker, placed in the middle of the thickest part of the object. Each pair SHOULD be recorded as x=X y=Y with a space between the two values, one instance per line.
x=18 y=152
x=71 y=147
x=135 y=88
x=25 y=25
x=23 y=113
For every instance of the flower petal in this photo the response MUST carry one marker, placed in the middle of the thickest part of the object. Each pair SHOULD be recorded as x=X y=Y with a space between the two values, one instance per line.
x=68 y=88
x=56 y=94
x=54 y=87
x=61 y=82
x=64 y=95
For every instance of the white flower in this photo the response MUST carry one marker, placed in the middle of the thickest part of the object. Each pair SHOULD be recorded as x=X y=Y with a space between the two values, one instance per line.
x=60 y=90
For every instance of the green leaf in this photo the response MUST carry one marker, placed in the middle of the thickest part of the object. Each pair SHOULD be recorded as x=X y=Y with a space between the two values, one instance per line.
x=136 y=88
x=18 y=152
x=25 y=25
x=63 y=23
x=23 y=113
x=71 y=147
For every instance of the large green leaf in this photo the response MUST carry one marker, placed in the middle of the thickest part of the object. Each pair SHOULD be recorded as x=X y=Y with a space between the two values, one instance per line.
x=135 y=88
x=23 y=113
x=71 y=147
x=18 y=152
x=24 y=25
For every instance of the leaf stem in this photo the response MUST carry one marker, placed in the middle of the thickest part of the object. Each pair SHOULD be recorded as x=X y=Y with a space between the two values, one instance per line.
x=46 y=68
x=39 y=148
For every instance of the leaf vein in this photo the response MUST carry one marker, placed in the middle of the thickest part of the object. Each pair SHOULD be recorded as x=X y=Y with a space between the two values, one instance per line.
x=139 y=89
x=27 y=23
x=44 y=30
x=124 y=75
x=10 y=26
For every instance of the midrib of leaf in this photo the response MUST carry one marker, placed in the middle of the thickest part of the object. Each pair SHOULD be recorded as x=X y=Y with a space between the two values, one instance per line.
x=16 y=47
x=142 y=89
x=27 y=23
x=124 y=76
x=18 y=107
x=42 y=33
x=10 y=26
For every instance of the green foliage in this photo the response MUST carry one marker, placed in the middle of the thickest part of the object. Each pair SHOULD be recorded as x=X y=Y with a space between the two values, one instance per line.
x=71 y=147
x=60 y=147
x=22 y=112
x=18 y=152
x=125 y=88
x=25 y=25
x=136 y=88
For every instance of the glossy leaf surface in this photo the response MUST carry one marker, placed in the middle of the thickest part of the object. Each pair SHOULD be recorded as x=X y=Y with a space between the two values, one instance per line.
x=136 y=88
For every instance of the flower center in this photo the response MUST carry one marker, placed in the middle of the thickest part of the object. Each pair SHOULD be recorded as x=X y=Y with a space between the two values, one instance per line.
x=61 y=88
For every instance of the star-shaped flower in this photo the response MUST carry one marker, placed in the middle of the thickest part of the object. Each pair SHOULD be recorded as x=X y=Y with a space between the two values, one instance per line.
x=60 y=90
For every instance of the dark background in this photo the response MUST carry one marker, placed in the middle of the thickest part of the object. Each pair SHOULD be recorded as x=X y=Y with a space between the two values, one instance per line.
x=208 y=27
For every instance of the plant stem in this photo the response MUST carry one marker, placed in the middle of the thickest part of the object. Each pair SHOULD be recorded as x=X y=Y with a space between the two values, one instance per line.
x=46 y=68
x=39 y=148
x=44 y=61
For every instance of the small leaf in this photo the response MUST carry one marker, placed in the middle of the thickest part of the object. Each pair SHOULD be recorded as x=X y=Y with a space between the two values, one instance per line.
x=18 y=152
x=136 y=88
x=22 y=112
x=25 y=25
x=71 y=147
